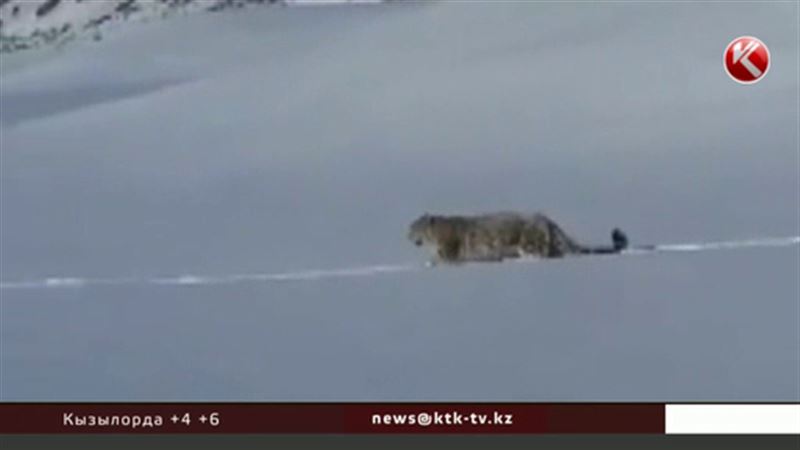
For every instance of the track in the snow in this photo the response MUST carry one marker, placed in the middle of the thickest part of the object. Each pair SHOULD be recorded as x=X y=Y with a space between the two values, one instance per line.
x=311 y=275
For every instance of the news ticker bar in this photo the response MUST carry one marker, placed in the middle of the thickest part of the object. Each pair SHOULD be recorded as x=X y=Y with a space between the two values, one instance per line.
x=405 y=418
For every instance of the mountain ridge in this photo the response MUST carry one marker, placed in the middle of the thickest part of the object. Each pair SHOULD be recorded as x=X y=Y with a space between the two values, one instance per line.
x=29 y=24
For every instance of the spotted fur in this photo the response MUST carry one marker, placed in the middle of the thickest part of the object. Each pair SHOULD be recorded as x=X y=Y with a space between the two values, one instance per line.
x=491 y=237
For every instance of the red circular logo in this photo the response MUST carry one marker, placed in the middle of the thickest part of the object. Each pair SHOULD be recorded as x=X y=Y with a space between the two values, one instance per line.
x=746 y=59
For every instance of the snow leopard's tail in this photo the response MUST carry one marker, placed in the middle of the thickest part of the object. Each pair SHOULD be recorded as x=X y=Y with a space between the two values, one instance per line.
x=619 y=243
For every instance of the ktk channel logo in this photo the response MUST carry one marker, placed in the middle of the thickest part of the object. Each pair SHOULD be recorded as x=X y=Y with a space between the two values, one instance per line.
x=746 y=60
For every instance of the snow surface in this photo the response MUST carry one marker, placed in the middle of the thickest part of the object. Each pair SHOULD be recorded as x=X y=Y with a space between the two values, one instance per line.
x=25 y=20
x=282 y=140
x=27 y=24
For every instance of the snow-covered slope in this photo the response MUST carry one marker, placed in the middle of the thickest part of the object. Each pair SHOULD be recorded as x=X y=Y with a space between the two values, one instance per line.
x=28 y=24
x=300 y=142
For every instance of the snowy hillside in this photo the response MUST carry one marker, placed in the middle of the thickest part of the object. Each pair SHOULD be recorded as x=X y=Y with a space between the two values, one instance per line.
x=215 y=206
x=28 y=24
